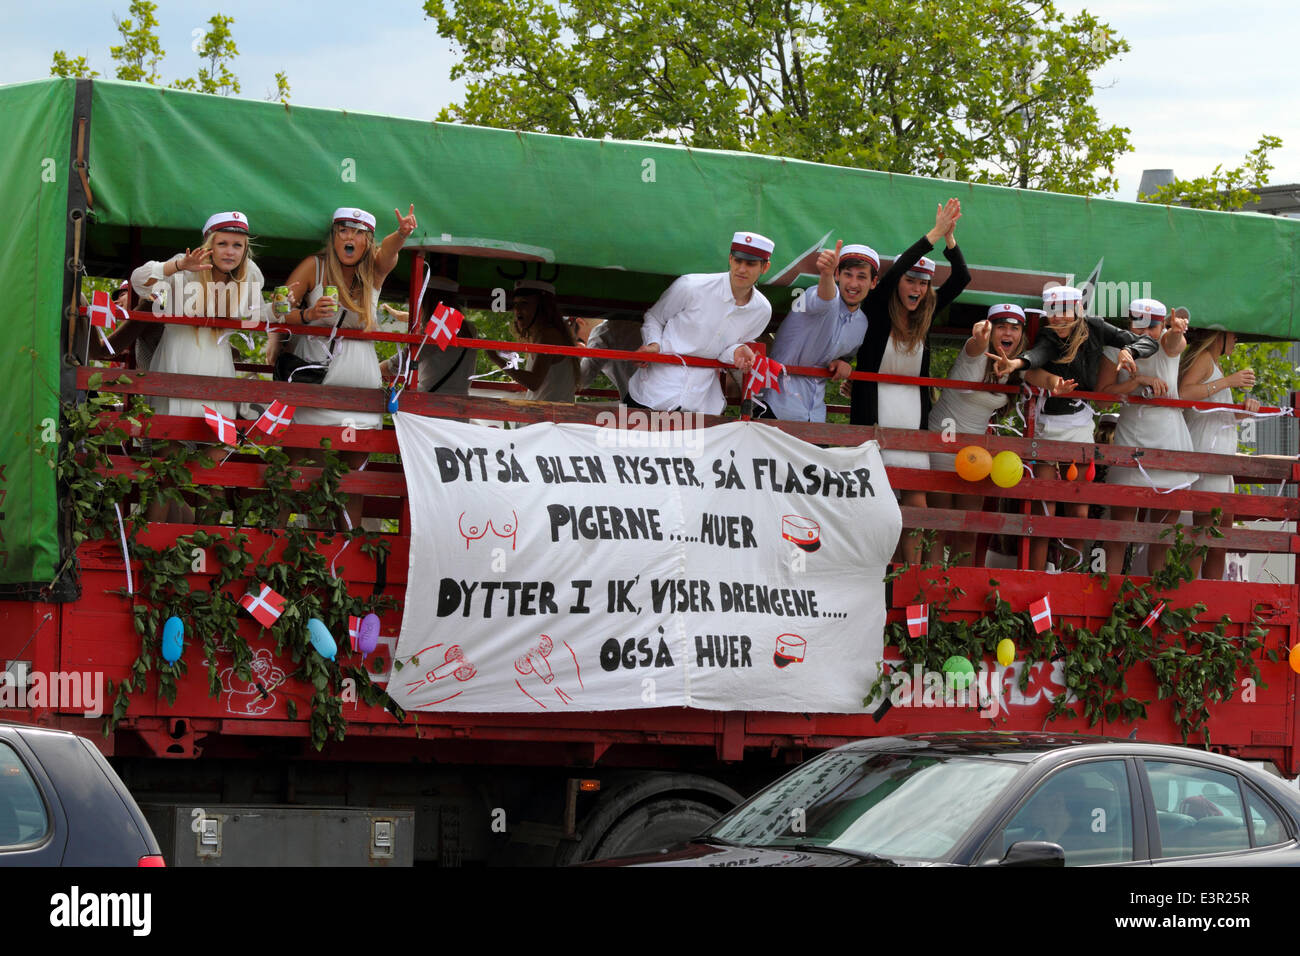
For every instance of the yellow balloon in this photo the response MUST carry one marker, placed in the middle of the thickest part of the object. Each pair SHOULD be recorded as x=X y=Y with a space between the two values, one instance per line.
x=1294 y=658
x=1007 y=469
x=1006 y=651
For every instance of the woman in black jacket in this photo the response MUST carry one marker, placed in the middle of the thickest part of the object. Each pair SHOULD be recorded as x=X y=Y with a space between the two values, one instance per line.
x=1068 y=353
x=899 y=311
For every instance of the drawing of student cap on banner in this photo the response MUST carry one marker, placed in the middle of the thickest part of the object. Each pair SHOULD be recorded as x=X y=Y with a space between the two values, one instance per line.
x=801 y=532
x=541 y=666
x=441 y=682
x=790 y=649
x=499 y=525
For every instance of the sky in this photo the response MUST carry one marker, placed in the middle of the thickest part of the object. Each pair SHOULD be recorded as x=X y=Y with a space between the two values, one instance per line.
x=1200 y=84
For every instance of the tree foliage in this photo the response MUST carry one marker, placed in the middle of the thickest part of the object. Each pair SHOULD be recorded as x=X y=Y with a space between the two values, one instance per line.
x=1229 y=190
x=140 y=52
x=995 y=91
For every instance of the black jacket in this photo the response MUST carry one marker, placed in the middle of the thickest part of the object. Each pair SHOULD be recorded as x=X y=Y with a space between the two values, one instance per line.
x=1049 y=346
x=864 y=409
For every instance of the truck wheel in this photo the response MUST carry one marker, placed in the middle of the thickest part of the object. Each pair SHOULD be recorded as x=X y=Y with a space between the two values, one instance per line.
x=656 y=824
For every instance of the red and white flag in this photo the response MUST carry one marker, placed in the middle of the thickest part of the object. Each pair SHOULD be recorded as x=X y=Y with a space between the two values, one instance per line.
x=1154 y=615
x=266 y=606
x=223 y=426
x=1040 y=612
x=443 y=325
x=102 y=312
x=276 y=418
x=765 y=373
x=354 y=627
x=918 y=620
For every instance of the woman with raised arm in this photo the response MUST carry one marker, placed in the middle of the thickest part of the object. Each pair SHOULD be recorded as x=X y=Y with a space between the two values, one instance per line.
x=1067 y=355
x=217 y=280
x=899 y=311
x=1147 y=426
x=969 y=412
x=1201 y=379
x=353 y=268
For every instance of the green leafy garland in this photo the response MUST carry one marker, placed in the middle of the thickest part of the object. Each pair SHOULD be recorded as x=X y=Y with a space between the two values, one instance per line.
x=91 y=499
x=1193 y=667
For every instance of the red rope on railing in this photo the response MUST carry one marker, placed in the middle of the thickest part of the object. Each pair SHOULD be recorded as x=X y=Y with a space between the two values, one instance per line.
x=666 y=358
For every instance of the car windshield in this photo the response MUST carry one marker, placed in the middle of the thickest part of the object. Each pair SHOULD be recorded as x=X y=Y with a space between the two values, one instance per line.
x=890 y=804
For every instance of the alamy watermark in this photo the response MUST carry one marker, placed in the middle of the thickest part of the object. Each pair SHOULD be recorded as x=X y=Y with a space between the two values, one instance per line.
x=922 y=688
x=82 y=691
x=640 y=428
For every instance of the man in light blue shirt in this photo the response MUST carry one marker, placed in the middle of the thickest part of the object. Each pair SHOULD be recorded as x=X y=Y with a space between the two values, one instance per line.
x=823 y=330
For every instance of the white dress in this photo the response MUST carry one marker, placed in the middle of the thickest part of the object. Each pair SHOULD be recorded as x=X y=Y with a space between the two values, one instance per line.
x=968 y=412
x=1214 y=433
x=354 y=363
x=1152 y=426
x=560 y=383
x=899 y=406
x=189 y=350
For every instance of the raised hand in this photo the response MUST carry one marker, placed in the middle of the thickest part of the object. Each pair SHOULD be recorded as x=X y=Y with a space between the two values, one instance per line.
x=981 y=333
x=1003 y=366
x=195 y=261
x=828 y=260
x=405 y=224
x=1064 y=385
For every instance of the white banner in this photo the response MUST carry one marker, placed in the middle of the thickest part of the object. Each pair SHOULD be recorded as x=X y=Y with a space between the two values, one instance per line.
x=571 y=567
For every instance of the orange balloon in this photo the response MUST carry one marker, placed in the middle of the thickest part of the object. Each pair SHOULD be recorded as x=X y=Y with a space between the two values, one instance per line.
x=974 y=463
x=1294 y=658
x=1072 y=473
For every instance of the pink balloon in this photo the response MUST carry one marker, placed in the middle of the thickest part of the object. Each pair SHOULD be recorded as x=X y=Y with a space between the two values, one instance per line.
x=368 y=634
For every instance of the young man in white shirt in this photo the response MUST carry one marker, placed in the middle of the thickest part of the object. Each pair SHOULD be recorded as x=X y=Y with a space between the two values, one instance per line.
x=709 y=316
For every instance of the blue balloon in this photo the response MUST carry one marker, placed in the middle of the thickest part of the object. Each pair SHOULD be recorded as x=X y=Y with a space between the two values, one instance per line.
x=173 y=641
x=322 y=639
x=368 y=634
x=392 y=399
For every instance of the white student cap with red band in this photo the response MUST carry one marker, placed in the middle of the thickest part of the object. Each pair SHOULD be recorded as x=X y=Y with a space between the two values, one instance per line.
x=533 y=285
x=1059 y=295
x=357 y=218
x=1143 y=311
x=1006 y=312
x=861 y=253
x=226 y=222
x=924 y=269
x=752 y=246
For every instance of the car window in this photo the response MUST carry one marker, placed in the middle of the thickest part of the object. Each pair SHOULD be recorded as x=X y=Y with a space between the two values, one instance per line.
x=1198 y=810
x=22 y=812
x=1084 y=808
x=1266 y=826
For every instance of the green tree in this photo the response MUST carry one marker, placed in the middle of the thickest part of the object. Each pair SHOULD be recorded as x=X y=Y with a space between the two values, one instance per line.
x=140 y=52
x=64 y=65
x=1229 y=190
x=995 y=91
x=218 y=48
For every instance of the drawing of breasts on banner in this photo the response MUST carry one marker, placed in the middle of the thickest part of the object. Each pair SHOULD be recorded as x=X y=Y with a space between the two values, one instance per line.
x=559 y=569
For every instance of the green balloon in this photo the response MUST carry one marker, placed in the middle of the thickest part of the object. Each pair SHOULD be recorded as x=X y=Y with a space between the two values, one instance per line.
x=962 y=669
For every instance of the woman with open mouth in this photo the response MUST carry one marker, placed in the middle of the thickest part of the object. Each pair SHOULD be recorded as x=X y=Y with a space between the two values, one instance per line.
x=353 y=270
x=1068 y=355
x=899 y=312
x=969 y=412
x=217 y=280
x=548 y=378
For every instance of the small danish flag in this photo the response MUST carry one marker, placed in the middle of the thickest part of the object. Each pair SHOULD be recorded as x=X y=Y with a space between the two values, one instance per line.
x=1154 y=615
x=354 y=627
x=102 y=312
x=918 y=620
x=765 y=373
x=225 y=428
x=266 y=606
x=276 y=418
x=1040 y=612
x=443 y=325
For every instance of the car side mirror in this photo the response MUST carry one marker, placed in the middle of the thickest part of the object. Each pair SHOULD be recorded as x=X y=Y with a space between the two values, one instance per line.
x=1034 y=853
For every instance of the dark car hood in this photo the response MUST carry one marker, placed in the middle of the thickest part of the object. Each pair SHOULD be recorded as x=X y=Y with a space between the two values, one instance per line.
x=705 y=854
